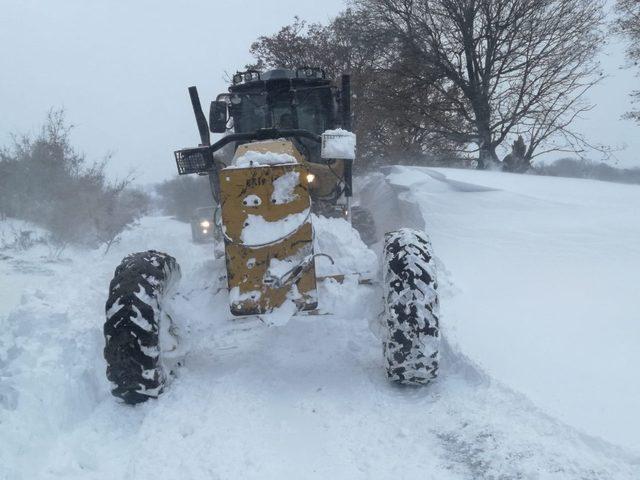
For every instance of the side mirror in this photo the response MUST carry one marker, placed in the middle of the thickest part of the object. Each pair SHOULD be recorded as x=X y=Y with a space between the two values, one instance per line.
x=218 y=117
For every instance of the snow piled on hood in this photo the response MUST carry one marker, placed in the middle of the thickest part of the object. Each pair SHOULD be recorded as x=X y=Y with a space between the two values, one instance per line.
x=260 y=159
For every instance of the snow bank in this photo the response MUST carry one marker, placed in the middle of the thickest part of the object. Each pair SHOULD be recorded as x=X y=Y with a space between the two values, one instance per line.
x=545 y=294
x=336 y=238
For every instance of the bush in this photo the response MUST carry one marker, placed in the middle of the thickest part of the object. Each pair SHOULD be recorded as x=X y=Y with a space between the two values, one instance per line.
x=582 y=168
x=180 y=196
x=46 y=181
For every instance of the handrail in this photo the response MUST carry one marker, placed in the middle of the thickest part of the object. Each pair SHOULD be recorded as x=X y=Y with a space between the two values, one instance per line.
x=264 y=134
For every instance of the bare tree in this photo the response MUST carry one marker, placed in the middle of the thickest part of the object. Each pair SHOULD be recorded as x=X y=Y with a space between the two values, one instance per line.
x=504 y=66
x=390 y=118
x=119 y=208
x=628 y=25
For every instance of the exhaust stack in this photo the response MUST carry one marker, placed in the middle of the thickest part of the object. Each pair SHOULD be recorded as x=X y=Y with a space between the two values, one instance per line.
x=203 y=127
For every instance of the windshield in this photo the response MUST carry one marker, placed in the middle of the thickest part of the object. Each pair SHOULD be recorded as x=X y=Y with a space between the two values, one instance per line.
x=314 y=109
x=249 y=111
x=308 y=109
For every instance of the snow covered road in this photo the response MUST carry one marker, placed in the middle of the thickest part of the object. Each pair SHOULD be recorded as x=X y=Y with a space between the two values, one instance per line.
x=309 y=399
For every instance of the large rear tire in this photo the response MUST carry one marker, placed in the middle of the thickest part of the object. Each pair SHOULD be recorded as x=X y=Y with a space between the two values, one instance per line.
x=136 y=323
x=411 y=325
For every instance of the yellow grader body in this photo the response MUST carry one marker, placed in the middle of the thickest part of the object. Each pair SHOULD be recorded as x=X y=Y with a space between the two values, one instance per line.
x=268 y=232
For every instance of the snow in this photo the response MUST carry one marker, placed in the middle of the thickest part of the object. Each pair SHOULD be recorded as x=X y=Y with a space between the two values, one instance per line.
x=283 y=188
x=12 y=241
x=336 y=238
x=278 y=268
x=258 y=231
x=236 y=296
x=253 y=158
x=539 y=352
x=339 y=143
x=280 y=316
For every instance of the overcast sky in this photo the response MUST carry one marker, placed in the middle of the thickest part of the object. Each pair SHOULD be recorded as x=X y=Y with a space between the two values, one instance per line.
x=121 y=70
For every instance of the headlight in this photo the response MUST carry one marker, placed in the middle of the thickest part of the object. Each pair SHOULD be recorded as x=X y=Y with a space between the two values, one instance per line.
x=205 y=224
x=310 y=177
x=204 y=230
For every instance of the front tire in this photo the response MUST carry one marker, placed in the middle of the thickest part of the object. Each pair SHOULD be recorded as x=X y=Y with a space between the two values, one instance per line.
x=135 y=323
x=411 y=325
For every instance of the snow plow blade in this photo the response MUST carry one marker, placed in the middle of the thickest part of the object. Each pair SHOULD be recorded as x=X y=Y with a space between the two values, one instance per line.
x=266 y=213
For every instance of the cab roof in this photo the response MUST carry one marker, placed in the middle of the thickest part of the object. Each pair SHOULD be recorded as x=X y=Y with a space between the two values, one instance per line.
x=251 y=79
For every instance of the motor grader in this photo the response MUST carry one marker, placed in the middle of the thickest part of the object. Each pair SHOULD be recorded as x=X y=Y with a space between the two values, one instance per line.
x=285 y=155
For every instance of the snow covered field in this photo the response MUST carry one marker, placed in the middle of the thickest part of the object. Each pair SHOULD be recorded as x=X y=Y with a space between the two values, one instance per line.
x=538 y=380
x=545 y=287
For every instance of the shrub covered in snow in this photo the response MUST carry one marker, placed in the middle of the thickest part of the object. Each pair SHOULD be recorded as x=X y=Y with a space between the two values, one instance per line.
x=181 y=195
x=43 y=179
x=583 y=168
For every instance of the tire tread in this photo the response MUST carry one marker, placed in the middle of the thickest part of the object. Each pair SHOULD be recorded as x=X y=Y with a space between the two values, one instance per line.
x=412 y=330
x=131 y=330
